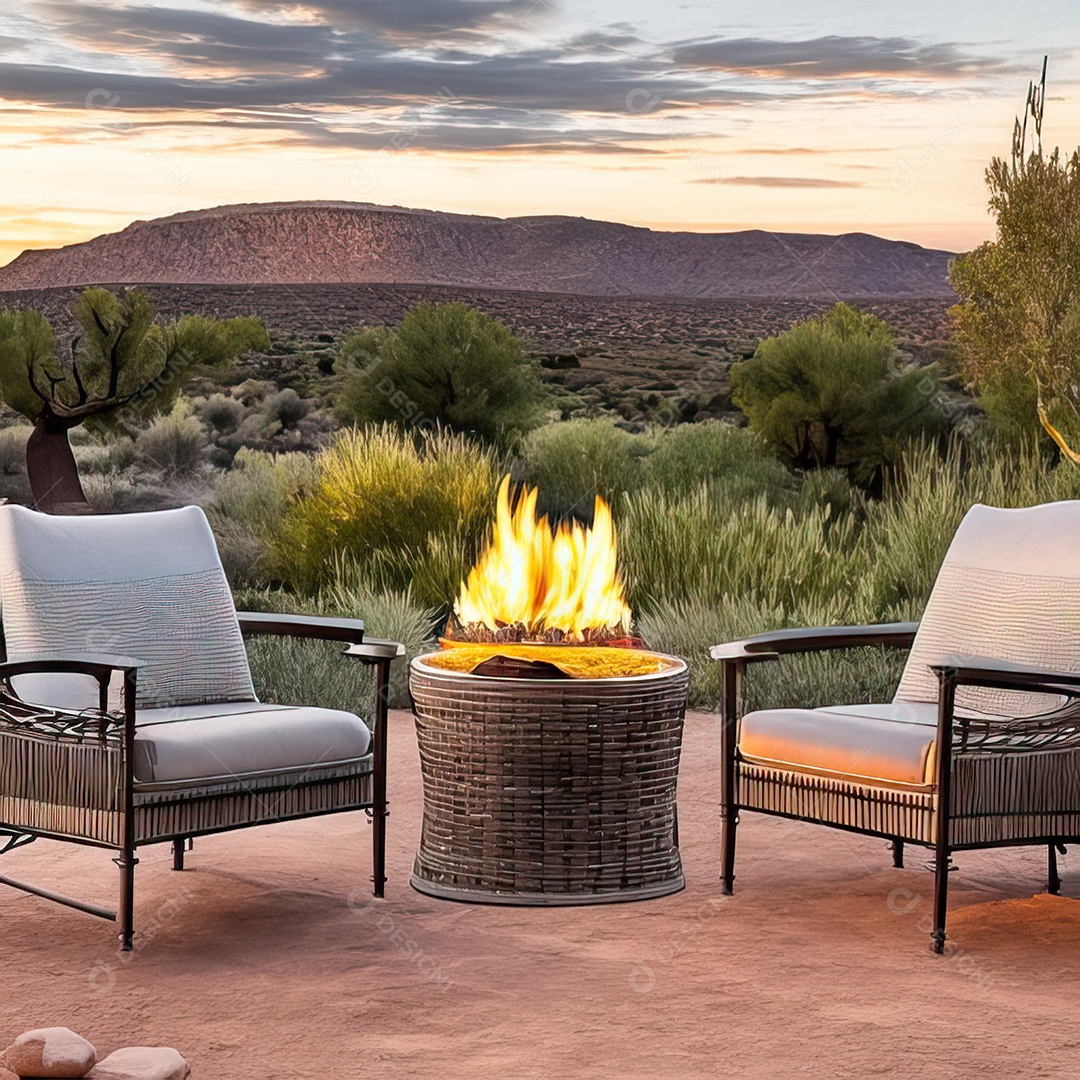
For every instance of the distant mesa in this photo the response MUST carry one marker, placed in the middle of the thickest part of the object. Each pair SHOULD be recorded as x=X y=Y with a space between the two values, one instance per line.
x=343 y=242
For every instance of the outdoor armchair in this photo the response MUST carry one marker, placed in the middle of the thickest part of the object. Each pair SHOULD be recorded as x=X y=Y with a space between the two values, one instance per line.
x=980 y=746
x=127 y=711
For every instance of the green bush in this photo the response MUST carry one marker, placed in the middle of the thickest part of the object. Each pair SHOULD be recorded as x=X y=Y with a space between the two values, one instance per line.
x=393 y=509
x=831 y=392
x=687 y=455
x=444 y=364
x=573 y=461
x=1017 y=326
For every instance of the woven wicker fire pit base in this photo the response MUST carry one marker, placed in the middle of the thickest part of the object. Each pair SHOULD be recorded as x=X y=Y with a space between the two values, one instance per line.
x=548 y=791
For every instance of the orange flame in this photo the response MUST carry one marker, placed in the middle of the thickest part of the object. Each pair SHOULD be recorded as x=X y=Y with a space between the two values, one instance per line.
x=565 y=581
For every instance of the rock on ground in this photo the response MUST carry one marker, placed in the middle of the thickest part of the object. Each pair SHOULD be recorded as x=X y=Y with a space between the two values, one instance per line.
x=51 y=1052
x=141 y=1063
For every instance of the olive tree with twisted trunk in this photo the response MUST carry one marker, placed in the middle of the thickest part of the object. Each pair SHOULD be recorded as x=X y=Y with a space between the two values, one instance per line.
x=121 y=367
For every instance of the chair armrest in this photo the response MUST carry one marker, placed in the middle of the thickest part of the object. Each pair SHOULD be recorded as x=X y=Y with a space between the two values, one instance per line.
x=98 y=665
x=60 y=721
x=374 y=650
x=1005 y=675
x=774 y=643
x=257 y=623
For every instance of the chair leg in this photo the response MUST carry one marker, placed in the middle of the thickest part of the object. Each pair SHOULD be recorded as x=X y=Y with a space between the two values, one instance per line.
x=729 y=807
x=898 y=854
x=728 y=823
x=1053 y=879
x=379 y=809
x=942 y=865
x=178 y=846
x=125 y=912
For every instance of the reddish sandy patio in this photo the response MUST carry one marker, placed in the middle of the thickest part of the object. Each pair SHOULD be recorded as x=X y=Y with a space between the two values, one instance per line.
x=254 y=965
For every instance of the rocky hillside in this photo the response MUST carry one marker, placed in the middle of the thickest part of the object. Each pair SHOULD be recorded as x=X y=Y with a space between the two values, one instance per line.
x=325 y=243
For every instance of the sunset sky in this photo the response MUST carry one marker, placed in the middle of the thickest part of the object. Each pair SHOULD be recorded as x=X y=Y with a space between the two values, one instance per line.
x=839 y=117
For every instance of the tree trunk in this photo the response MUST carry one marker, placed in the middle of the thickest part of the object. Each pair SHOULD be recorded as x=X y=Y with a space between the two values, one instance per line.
x=51 y=470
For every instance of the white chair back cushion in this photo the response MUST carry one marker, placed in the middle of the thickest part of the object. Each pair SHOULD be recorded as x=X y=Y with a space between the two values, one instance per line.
x=146 y=585
x=1009 y=588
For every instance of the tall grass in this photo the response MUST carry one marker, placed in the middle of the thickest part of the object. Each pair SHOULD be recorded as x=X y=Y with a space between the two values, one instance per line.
x=705 y=546
x=248 y=507
x=288 y=671
x=715 y=543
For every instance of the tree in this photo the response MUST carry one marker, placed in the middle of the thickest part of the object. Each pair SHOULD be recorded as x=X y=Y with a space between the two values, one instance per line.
x=831 y=392
x=121 y=367
x=443 y=365
x=1017 y=326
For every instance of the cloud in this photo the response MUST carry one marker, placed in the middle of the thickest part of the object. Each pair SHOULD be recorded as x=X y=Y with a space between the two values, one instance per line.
x=435 y=74
x=833 y=57
x=414 y=20
x=779 y=182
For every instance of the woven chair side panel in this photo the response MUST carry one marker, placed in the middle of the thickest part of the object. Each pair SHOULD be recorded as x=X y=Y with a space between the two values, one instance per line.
x=60 y=771
x=548 y=788
x=29 y=815
x=169 y=815
x=909 y=815
x=997 y=798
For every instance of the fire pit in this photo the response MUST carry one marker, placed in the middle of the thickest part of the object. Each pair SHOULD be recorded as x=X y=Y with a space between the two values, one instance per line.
x=549 y=749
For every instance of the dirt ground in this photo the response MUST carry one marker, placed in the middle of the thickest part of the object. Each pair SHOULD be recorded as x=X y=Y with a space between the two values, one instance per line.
x=266 y=960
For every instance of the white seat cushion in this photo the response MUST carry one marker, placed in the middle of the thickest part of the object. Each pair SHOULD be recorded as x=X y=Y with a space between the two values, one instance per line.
x=890 y=745
x=242 y=739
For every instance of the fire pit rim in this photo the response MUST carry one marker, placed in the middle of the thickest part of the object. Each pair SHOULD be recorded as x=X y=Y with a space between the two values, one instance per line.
x=676 y=665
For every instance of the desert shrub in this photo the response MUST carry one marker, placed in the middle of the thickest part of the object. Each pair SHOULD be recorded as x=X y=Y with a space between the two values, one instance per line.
x=13 y=483
x=255 y=415
x=176 y=444
x=132 y=491
x=831 y=392
x=830 y=487
x=94 y=456
x=573 y=461
x=395 y=616
x=445 y=364
x=248 y=506
x=286 y=407
x=291 y=672
x=220 y=412
x=387 y=505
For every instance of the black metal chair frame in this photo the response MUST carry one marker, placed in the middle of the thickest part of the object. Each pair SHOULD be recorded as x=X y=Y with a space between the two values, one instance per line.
x=96 y=747
x=960 y=742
